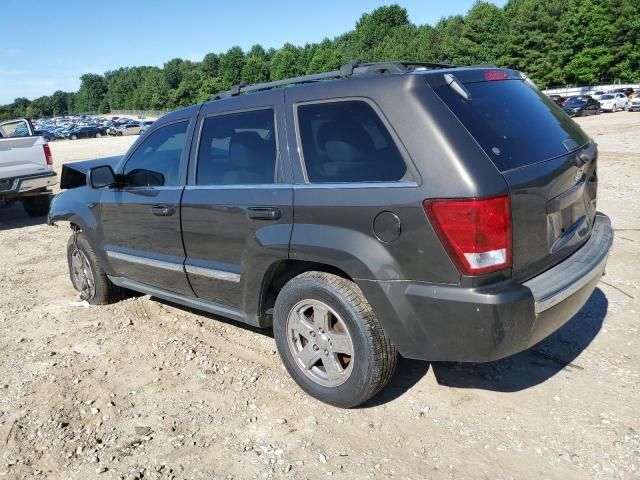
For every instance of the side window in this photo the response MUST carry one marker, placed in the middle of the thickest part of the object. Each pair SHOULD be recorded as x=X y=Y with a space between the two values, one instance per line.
x=14 y=129
x=347 y=142
x=156 y=162
x=237 y=149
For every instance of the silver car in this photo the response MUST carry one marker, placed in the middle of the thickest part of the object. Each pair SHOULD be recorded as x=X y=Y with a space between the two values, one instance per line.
x=129 y=129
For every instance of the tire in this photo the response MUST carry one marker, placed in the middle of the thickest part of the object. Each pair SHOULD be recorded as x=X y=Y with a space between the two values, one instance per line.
x=98 y=135
x=119 y=134
x=37 y=206
x=73 y=137
x=349 y=326
x=80 y=256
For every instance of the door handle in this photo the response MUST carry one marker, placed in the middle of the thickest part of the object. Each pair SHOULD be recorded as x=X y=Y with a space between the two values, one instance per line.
x=163 y=210
x=264 y=213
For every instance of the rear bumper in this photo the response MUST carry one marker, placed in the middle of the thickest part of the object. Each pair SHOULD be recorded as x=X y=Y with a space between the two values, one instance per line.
x=18 y=185
x=450 y=323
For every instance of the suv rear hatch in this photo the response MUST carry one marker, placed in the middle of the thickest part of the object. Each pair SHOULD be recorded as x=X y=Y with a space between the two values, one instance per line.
x=548 y=162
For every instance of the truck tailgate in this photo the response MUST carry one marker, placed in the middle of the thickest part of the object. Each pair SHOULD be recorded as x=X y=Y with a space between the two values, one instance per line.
x=22 y=156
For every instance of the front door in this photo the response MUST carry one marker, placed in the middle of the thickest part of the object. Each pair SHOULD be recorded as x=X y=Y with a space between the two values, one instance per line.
x=237 y=207
x=141 y=220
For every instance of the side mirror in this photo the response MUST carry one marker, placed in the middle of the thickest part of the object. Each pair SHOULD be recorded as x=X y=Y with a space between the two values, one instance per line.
x=101 y=177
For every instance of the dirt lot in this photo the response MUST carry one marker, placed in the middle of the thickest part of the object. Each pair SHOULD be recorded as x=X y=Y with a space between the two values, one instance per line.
x=142 y=389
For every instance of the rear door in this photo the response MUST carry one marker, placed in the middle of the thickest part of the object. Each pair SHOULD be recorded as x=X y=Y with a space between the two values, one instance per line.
x=548 y=162
x=140 y=222
x=237 y=207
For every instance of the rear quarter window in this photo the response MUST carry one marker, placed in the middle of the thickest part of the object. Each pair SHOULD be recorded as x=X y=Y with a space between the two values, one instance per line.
x=514 y=124
x=347 y=142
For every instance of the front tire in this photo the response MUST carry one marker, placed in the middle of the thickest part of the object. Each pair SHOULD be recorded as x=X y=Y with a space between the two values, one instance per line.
x=37 y=206
x=87 y=274
x=330 y=341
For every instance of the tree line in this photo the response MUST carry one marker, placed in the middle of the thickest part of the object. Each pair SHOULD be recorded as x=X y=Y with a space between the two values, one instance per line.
x=555 y=42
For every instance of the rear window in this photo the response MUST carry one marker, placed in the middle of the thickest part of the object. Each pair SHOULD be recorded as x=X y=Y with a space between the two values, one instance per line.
x=514 y=124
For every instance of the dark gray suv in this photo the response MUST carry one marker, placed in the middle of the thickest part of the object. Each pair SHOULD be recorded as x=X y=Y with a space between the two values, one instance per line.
x=445 y=214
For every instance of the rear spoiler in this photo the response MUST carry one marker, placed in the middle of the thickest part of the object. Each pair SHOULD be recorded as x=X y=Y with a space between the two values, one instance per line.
x=74 y=174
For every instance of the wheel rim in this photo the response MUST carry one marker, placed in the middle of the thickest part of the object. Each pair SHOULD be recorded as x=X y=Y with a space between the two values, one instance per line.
x=82 y=275
x=320 y=343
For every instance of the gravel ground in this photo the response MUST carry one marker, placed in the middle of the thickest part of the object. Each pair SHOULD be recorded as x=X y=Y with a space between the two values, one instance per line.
x=143 y=389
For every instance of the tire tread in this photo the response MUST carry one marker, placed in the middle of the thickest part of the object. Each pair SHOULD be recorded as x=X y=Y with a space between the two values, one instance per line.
x=106 y=291
x=385 y=356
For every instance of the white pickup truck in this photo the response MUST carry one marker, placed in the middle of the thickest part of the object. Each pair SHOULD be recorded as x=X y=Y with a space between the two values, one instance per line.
x=26 y=168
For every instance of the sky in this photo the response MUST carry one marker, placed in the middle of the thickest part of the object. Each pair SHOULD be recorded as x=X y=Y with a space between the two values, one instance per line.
x=45 y=46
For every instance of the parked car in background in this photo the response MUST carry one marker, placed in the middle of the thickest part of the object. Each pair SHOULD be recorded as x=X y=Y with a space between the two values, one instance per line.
x=625 y=91
x=85 y=132
x=129 y=129
x=144 y=125
x=612 y=102
x=557 y=99
x=633 y=104
x=360 y=216
x=581 y=105
x=26 y=168
x=46 y=134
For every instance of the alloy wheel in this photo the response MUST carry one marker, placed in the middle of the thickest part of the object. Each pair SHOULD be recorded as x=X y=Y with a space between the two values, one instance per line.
x=82 y=272
x=320 y=343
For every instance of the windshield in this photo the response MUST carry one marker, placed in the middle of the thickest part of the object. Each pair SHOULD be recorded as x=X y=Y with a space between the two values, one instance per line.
x=514 y=124
x=606 y=97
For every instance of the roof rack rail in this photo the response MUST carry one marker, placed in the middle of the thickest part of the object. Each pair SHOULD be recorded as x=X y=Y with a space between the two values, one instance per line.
x=348 y=70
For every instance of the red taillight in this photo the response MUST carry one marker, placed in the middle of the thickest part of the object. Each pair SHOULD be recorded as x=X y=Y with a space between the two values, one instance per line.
x=476 y=232
x=495 y=75
x=47 y=154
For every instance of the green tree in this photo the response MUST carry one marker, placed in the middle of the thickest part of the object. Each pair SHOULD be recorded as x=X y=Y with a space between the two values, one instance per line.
x=231 y=65
x=587 y=33
x=187 y=92
x=173 y=72
x=533 y=42
x=483 y=35
x=92 y=95
x=256 y=66
x=60 y=103
x=210 y=64
x=287 y=62
x=624 y=17
x=372 y=29
x=41 y=107
x=326 y=57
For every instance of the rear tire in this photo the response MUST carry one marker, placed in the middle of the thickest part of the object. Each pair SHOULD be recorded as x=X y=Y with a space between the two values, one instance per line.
x=330 y=341
x=98 y=135
x=73 y=137
x=87 y=274
x=37 y=206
